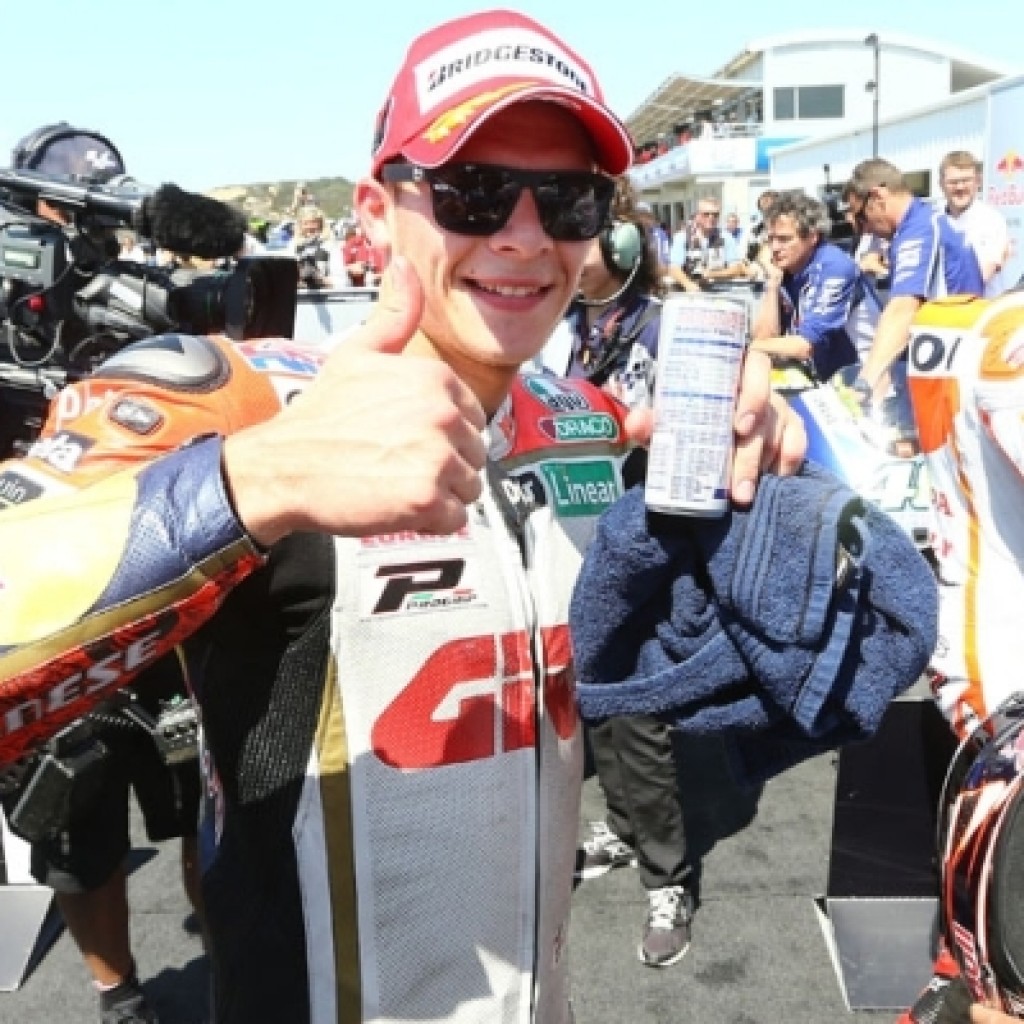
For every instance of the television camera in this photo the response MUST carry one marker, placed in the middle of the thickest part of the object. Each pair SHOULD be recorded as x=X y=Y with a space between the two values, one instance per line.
x=67 y=302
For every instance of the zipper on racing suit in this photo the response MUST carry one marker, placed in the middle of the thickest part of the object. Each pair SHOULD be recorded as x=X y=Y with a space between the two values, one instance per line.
x=515 y=508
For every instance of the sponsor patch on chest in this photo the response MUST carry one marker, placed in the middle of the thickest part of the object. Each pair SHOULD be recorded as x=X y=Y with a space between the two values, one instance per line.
x=418 y=584
x=581 y=488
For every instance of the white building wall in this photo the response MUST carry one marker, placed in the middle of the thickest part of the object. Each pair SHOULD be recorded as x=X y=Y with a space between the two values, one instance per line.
x=910 y=78
x=917 y=142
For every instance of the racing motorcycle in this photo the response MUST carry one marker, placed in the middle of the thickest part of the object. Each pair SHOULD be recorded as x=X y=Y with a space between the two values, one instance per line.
x=876 y=460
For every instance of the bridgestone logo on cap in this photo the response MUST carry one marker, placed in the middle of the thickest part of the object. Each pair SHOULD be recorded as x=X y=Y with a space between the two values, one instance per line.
x=500 y=53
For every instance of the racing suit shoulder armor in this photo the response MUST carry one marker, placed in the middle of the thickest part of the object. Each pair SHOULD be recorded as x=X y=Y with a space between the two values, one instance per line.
x=149 y=399
x=179 y=362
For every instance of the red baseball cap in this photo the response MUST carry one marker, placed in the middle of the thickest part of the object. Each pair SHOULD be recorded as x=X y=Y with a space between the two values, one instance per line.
x=461 y=73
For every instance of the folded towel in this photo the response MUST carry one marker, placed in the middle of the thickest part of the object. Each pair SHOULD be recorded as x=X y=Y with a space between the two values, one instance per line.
x=787 y=626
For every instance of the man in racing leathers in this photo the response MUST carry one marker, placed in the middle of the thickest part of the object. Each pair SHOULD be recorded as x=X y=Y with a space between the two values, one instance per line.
x=966 y=376
x=966 y=372
x=373 y=562
x=818 y=307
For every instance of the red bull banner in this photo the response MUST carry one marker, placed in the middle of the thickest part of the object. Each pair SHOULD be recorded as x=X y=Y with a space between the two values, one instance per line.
x=1004 y=168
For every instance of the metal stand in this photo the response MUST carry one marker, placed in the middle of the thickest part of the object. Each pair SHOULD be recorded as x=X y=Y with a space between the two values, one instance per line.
x=28 y=927
x=879 y=913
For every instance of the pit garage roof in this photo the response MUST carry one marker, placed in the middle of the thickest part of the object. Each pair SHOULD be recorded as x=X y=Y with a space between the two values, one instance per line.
x=676 y=101
x=679 y=97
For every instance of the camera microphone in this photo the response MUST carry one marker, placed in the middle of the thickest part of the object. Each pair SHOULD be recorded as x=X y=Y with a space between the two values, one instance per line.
x=190 y=224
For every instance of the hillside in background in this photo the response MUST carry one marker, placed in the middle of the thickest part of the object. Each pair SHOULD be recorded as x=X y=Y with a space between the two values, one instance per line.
x=271 y=200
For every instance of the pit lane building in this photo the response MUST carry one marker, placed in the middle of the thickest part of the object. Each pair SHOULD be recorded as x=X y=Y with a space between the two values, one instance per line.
x=800 y=110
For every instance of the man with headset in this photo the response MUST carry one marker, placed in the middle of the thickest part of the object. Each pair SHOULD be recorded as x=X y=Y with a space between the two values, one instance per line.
x=613 y=325
x=84 y=860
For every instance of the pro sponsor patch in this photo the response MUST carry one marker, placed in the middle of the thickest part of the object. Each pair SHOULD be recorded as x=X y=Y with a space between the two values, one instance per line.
x=418 y=586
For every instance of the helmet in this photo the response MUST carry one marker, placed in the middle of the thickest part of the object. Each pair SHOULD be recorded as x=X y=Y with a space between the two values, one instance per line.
x=981 y=850
x=62 y=151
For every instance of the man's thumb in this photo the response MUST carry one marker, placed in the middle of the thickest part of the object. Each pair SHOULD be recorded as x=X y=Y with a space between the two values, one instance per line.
x=397 y=312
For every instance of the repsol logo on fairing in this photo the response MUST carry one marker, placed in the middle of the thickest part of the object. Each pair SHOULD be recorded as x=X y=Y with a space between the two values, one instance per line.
x=507 y=53
x=933 y=352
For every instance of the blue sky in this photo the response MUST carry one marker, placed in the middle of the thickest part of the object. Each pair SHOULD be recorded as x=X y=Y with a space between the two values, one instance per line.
x=213 y=92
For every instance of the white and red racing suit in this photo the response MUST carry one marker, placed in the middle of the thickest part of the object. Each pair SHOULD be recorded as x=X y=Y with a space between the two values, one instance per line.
x=391 y=736
x=968 y=393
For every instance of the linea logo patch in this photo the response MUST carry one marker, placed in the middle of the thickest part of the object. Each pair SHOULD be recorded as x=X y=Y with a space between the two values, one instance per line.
x=581 y=488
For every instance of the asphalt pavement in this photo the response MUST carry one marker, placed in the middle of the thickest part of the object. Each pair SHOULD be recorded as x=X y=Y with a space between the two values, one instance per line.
x=758 y=953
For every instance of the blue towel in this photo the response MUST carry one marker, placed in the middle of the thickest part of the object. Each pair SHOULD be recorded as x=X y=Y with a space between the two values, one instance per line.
x=787 y=627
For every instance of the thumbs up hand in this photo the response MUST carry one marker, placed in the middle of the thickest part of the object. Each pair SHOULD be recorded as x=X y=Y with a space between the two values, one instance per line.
x=380 y=442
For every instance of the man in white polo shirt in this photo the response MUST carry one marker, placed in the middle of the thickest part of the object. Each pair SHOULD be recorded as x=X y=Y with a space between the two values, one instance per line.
x=981 y=224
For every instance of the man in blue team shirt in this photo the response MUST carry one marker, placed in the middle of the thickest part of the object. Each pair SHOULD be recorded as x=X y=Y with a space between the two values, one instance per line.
x=818 y=308
x=928 y=259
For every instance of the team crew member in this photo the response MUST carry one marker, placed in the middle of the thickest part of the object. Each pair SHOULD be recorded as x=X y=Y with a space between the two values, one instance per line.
x=614 y=325
x=982 y=225
x=928 y=259
x=614 y=320
x=818 y=308
x=377 y=611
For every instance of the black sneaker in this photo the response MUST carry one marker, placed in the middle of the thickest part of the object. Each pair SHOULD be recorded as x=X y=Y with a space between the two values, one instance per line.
x=667 y=930
x=602 y=852
x=126 y=1004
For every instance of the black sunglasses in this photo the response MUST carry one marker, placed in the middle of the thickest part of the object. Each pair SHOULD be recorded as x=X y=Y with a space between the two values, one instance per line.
x=478 y=199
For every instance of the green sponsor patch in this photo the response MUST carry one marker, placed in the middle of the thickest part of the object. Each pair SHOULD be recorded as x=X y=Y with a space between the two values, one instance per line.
x=580 y=426
x=581 y=488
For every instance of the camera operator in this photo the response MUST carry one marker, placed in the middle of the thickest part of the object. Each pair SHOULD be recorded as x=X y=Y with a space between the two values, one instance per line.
x=81 y=852
x=311 y=248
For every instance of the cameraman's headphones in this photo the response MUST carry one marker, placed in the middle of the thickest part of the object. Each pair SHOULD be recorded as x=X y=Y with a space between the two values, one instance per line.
x=622 y=246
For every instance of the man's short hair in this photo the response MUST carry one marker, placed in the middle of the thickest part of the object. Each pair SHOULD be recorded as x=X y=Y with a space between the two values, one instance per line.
x=810 y=215
x=960 y=159
x=874 y=173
